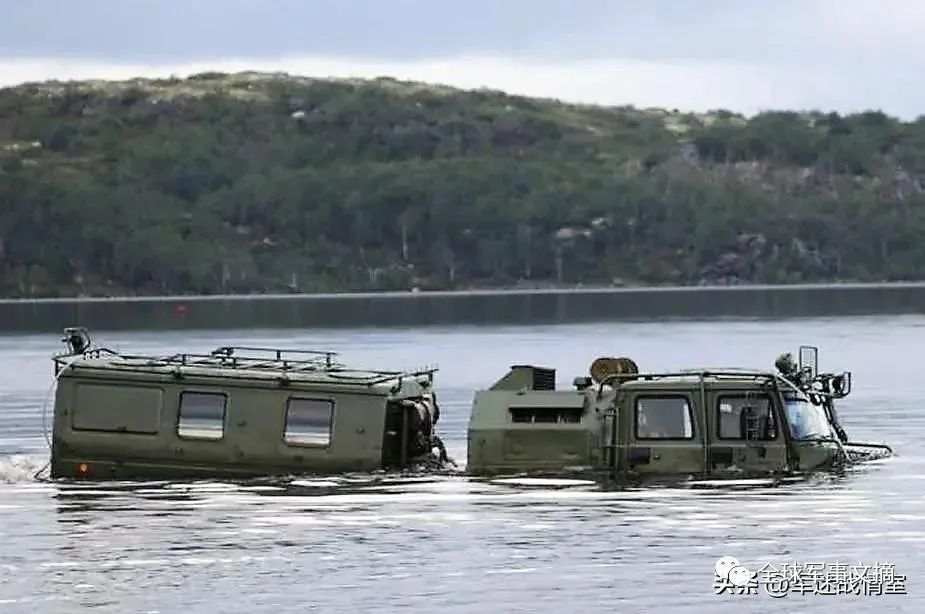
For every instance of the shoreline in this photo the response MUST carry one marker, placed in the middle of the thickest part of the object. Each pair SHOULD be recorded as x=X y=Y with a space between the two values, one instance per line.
x=423 y=308
x=472 y=292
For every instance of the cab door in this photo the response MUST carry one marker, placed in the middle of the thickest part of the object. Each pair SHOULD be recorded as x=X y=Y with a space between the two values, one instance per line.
x=662 y=434
x=746 y=433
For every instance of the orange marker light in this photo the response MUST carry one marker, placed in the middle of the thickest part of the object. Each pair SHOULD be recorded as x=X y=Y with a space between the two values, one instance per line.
x=82 y=468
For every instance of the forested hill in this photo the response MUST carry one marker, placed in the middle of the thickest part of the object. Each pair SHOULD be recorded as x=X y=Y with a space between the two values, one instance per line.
x=270 y=183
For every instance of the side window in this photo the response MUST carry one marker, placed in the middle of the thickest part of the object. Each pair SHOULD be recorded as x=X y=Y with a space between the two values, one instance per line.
x=202 y=415
x=117 y=409
x=663 y=417
x=745 y=417
x=308 y=422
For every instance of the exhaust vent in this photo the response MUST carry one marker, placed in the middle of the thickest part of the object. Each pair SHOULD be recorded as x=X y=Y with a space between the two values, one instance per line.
x=527 y=377
x=544 y=379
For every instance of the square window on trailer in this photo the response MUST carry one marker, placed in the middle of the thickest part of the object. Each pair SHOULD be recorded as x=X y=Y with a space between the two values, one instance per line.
x=202 y=415
x=308 y=422
x=117 y=408
x=663 y=417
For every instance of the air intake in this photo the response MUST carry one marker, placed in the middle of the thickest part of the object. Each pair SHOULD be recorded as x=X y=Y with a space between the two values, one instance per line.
x=527 y=377
x=544 y=379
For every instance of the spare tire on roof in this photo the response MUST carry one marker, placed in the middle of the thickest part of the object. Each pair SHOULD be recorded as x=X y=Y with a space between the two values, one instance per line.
x=605 y=367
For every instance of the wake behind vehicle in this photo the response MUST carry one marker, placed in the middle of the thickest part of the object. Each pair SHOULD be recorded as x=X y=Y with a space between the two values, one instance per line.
x=704 y=422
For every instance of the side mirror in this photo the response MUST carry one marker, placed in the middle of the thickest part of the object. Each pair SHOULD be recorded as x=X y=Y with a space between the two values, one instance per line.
x=809 y=360
x=841 y=385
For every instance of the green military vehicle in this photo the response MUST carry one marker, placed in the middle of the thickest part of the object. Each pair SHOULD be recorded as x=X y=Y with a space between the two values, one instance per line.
x=237 y=411
x=703 y=422
x=245 y=411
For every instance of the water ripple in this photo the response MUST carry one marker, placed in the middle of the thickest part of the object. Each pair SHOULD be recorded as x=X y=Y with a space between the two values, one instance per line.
x=451 y=543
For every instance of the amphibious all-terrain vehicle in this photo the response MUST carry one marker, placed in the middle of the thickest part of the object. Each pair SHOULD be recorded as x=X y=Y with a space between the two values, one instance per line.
x=704 y=422
x=237 y=411
x=246 y=411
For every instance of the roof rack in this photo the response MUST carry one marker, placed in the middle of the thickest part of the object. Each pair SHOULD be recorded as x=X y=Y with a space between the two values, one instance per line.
x=725 y=371
x=706 y=372
x=619 y=378
x=246 y=358
x=234 y=356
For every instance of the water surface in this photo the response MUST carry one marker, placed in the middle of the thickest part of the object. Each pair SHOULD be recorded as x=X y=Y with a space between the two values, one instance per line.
x=383 y=542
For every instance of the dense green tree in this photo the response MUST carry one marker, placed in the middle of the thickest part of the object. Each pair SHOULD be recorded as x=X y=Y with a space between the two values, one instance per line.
x=254 y=183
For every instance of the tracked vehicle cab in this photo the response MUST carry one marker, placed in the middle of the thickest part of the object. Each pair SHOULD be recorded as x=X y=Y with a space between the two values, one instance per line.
x=620 y=422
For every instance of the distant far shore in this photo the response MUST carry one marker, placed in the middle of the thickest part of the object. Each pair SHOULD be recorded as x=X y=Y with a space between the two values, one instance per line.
x=474 y=307
x=250 y=183
x=893 y=285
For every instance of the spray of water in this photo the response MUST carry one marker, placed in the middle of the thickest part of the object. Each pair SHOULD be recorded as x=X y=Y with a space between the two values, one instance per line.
x=39 y=473
x=18 y=468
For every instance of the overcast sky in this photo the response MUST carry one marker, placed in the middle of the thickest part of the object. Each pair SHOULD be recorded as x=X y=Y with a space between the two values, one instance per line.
x=746 y=55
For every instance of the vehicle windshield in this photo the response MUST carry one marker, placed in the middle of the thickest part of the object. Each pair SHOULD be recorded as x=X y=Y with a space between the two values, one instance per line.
x=807 y=421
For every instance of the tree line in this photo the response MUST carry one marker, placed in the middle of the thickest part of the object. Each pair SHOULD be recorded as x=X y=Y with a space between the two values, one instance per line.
x=268 y=183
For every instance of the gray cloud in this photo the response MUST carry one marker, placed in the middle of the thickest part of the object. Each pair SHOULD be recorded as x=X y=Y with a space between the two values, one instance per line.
x=742 y=54
x=120 y=30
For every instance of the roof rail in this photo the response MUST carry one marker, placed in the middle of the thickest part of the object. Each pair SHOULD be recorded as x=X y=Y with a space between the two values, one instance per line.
x=246 y=358
x=619 y=378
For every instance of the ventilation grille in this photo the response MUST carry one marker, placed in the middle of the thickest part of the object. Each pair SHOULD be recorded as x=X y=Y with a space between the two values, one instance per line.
x=544 y=379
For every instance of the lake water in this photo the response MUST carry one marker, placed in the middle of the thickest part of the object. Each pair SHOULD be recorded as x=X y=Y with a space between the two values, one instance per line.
x=384 y=542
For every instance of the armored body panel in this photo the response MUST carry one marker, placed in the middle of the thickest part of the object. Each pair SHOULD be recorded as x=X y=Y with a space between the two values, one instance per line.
x=523 y=424
x=620 y=422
